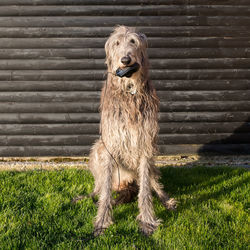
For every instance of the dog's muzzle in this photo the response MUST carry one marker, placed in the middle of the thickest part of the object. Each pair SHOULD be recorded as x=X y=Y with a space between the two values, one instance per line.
x=127 y=71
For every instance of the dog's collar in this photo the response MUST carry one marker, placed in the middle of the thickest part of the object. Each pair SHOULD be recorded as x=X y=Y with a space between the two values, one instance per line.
x=131 y=88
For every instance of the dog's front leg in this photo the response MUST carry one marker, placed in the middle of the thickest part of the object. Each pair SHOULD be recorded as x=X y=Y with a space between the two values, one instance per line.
x=146 y=217
x=104 y=213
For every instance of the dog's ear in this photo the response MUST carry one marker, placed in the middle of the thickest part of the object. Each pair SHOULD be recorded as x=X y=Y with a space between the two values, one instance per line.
x=106 y=47
x=144 y=40
x=107 y=51
x=144 y=45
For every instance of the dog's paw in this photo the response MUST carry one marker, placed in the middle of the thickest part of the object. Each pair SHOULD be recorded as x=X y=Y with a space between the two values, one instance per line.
x=99 y=231
x=79 y=198
x=171 y=204
x=101 y=224
x=148 y=228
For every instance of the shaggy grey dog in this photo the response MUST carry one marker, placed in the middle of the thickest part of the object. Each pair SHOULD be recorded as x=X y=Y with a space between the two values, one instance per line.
x=122 y=159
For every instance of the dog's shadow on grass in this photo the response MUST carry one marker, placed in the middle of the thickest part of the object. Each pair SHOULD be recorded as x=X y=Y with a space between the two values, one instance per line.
x=188 y=180
x=192 y=186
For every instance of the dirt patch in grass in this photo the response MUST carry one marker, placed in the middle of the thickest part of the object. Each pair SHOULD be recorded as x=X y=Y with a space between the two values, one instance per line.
x=204 y=160
x=55 y=163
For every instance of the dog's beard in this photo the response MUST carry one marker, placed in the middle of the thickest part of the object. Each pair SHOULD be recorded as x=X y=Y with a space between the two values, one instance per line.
x=127 y=71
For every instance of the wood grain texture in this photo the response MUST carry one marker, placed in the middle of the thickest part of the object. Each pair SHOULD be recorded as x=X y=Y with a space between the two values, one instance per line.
x=78 y=64
x=96 y=85
x=120 y=2
x=98 y=53
x=93 y=128
x=207 y=148
x=89 y=106
x=31 y=151
x=82 y=75
x=105 y=21
x=84 y=140
x=40 y=118
x=52 y=70
x=80 y=150
x=87 y=96
x=157 y=42
x=120 y=10
x=164 y=31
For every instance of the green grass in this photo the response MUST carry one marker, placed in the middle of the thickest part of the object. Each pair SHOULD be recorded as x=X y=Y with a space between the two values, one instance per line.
x=36 y=212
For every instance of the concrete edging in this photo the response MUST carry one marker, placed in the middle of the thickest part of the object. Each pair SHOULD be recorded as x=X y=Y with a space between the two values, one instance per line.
x=58 y=163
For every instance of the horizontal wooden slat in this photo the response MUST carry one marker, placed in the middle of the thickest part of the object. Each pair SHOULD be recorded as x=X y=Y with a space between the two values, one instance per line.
x=49 y=129
x=105 y=21
x=212 y=84
x=95 y=85
x=208 y=148
x=84 y=150
x=119 y=10
x=164 y=31
x=54 y=64
x=203 y=138
x=75 y=75
x=169 y=42
x=41 y=118
x=90 y=106
x=52 y=42
x=204 y=116
x=204 y=127
x=71 y=96
x=49 y=96
x=100 y=54
x=120 y=2
x=223 y=95
x=84 y=140
x=199 y=63
x=58 y=53
x=57 y=85
x=180 y=106
x=42 y=140
x=54 y=107
x=93 y=128
x=44 y=151
x=78 y=2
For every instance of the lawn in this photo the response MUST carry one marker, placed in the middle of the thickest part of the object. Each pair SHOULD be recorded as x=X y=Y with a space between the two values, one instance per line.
x=36 y=211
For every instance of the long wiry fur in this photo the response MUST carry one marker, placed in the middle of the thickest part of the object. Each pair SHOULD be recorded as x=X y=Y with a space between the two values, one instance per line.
x=129 y=128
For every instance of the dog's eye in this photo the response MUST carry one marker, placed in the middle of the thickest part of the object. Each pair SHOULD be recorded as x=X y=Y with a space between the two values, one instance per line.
x=132 y=41
x=117 y=43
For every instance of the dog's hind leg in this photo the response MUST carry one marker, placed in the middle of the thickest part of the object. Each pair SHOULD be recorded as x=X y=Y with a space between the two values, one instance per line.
x=95 y=167
x=168 y=203
x=104 y=213
x=82 y=197
x=146 y=217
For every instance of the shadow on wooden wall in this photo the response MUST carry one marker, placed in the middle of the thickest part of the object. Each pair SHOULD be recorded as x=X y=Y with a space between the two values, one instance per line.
x=237 y=143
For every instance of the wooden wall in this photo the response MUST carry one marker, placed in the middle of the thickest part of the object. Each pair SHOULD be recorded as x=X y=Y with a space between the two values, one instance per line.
x=52 y=66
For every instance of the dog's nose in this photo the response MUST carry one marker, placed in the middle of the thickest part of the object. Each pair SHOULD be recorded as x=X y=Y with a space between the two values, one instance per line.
x=126 y=60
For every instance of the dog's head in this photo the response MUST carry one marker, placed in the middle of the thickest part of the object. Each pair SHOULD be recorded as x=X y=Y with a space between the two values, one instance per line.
x=126 y=52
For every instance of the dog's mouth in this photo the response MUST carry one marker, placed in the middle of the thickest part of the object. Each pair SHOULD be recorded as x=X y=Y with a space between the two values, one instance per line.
x=127 y=71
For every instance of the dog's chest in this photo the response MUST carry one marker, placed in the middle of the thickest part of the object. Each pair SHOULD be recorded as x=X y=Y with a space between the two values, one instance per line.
x=129 y=125
x=126 y=126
